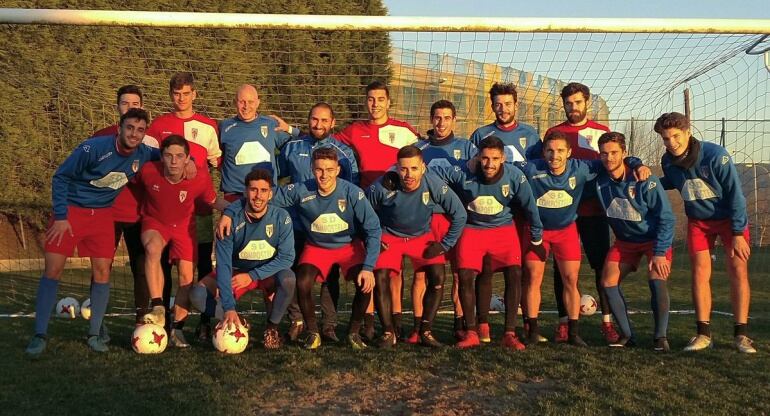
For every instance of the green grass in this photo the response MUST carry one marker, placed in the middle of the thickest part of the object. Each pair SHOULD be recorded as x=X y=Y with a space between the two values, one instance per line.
x=548 y=379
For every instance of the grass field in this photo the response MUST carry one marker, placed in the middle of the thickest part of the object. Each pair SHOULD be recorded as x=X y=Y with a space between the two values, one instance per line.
x=547 y=379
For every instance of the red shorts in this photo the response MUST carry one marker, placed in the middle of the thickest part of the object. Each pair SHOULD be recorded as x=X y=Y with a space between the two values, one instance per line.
x=265 y=285
x=181 y=238
x=630 y=253
x=347 y=256
x=412 y=247
x=439 y=226
x=501 y=244
x=93 y=234
x=701 y=234
x=564 y=242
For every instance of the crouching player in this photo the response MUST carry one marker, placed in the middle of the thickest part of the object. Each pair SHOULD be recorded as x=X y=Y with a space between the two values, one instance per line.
x=256 y=254
x=167 y=218
x=640 y=215
x=341 y=228
x=405 y=206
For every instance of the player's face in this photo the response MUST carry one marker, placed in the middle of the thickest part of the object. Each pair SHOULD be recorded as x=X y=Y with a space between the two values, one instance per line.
x=443 y=122
x=127 y=102
x=326 y=172
x=174 y=160
x=556 y=153
x=612 y=157
x=183 y=98
x=321 y=122
x=411 y=170
x=247 y=103
x=131 y=133
x=377 y=103
x=504 y=107
x=576 y=108
x=259 y=194
x=675 y=140
x=491 y=161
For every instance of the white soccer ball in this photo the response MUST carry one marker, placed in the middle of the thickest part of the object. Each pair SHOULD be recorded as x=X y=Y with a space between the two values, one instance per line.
x=85 y=309
x=171 y=302
x=68 y=307
x=497 y=303
x=149 y=339
x=588 y=305
x=232 y=340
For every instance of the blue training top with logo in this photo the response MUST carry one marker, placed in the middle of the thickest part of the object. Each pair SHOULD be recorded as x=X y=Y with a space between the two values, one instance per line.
x=334 y=220
x=491 y=205
x=638 y=212
x=711 y=188
x=408 y=214
x=260 y=247
x=94 y=174
x=518 y=141
x=448 y=152
x=247 y=145
x=296 y=158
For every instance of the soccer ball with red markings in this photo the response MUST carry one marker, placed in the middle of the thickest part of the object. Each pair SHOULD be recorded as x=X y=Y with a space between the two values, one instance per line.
x=68 y=308
x=497 y=303
x=587 y=305
x=149 y=339
x=231 y=340
x=85 y=309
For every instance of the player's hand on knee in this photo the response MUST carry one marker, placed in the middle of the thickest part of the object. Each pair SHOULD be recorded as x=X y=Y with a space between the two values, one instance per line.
x=434 y=249
x=365 y=280
x=57 y=231
x=660 y=266
x=224 y=226
x=741 y=248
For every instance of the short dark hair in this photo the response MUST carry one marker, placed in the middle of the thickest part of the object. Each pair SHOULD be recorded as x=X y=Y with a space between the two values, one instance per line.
x=573 y=88
x=321 y=105
x=325 y=153
x=129 y=89
x=503 y=89
x=671 y=121
x=137 y=113
x=492 y=142
x=179 y=80
x=175 y=139
x=377 y=85
x=259 y=174
x=613 y=137
x=556 y=135
x=443 y=104
x=408 y=151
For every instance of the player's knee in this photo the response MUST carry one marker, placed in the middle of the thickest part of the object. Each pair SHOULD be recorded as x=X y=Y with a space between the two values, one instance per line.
x=198 y=296
x=287 y=280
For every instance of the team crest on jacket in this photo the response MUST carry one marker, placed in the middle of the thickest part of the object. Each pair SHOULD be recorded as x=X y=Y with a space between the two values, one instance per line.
x=182 y=196
x=572 y=182
x=631 y=192
x=425 y=197
x=725 y=158
x=263 y=130
x=704 y=170
x=87 y=148
x=342 y=204
x=135 y=166
x=444 y=189
x=457 y=154
x=269 y=230
x=506 y=190
x=194 y=132
x=523 y=142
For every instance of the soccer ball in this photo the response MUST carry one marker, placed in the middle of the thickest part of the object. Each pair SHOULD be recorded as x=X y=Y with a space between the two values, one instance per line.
x=171 y=301
x=149 y=339
x=85 y=309
x=232 y=340
x=587 y=305
x=68 y=308
x=497 y=303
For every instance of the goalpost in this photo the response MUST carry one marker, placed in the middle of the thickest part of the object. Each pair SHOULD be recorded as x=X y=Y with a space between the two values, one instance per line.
x=61 y=69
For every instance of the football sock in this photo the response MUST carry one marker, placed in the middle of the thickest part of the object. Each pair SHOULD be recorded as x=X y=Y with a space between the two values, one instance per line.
x=618 y=306
x=100 y=296
x=425 y=327
x=572 y=326
x=156 y=302
x=741 y=329
x=369 y=320
x=44 y=303
x=416 y=321
x=558 y=291
x=512 y=277
x=602 y=298
x=704 y=328
x=179 y=324
x=483 y=296
x=459 y=323
x=468 y=298
x=396 y=319
x=286 y=282
x=533 y=326
x=659 y=302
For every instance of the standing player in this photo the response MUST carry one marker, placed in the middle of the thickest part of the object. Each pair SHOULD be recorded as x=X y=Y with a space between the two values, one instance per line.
x=295 y=161
x=441 y=148
x=583 y=134
x=641 y=218
x=257 y=254
x=84 y=187
x=405 y=208
x=715 y=206
x=490 y=196
x=376 y=141
x=167 y=210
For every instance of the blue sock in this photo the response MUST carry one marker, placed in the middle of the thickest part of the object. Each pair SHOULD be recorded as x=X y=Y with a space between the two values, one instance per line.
x=211 y=304
x=659 y=302
x=618 y=307
x=44 y=303
x=100 y=295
